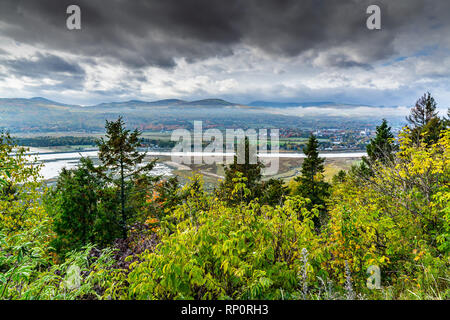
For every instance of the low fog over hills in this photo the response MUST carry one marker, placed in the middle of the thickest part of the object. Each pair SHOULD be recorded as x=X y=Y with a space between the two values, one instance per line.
x=43 y=115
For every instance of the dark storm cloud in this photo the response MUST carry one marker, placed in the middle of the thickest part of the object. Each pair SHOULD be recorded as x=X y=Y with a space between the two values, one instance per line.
x=142 y=33
x=43 y=65
x=68 y=75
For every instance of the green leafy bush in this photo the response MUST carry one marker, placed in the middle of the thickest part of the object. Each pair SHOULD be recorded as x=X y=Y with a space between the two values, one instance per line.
x=209 y=250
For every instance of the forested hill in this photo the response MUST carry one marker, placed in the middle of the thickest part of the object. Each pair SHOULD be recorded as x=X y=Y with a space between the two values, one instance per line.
x=42 y=115
x=17 y=104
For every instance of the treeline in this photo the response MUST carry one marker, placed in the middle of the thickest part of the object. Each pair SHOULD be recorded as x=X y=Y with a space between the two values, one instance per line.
x=112 y=231
x=51 y=141
x=163 y=144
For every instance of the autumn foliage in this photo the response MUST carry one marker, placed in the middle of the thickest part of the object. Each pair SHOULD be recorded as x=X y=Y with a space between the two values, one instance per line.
x=390 y=212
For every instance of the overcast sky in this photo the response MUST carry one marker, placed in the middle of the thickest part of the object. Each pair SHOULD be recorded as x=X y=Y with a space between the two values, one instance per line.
x=299 y=50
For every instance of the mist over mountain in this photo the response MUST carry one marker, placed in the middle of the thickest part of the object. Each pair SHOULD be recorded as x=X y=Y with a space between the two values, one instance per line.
x=210 y=102
x=39 y=114
x=287 y=104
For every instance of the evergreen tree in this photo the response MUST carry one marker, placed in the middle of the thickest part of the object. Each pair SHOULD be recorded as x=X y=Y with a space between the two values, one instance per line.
x=121 y=159
x=311 y=183
x=78 y=203
x=273 y=192
x=250 y=172
x=424 y=120
x=423 y=111
x=382 y=147
x=340 y=177
x=432 y=130
x=313 y=164
x=447 y=120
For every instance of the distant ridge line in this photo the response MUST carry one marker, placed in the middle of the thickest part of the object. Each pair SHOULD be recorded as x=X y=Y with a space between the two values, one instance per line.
x=209 y=102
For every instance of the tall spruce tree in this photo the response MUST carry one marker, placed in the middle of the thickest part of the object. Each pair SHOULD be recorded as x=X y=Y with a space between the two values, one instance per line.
x=423 y=111
x=121 y=160
x=250 y=171
x=84 y=211
x=311 y=183
x=424 y=120
x=382 y=147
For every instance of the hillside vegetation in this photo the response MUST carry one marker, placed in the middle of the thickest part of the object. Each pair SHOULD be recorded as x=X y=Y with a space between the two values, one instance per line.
x=378 y=231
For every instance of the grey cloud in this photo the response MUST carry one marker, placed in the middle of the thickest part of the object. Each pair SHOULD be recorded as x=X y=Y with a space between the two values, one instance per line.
x=68 y=75
x=43 y=65
x=143 y=33
x=343 y=61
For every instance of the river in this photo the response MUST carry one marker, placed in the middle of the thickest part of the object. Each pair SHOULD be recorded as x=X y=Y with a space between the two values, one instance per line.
x=53 y=162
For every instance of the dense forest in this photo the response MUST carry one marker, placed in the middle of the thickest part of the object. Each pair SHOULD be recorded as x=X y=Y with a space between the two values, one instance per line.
x=378 y=231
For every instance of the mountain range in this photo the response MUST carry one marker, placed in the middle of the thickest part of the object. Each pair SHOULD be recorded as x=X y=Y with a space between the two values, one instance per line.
x=46 y=103
x=41 y=115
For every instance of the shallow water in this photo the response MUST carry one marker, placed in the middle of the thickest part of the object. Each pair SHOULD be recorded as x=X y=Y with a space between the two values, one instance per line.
x=54 y=162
